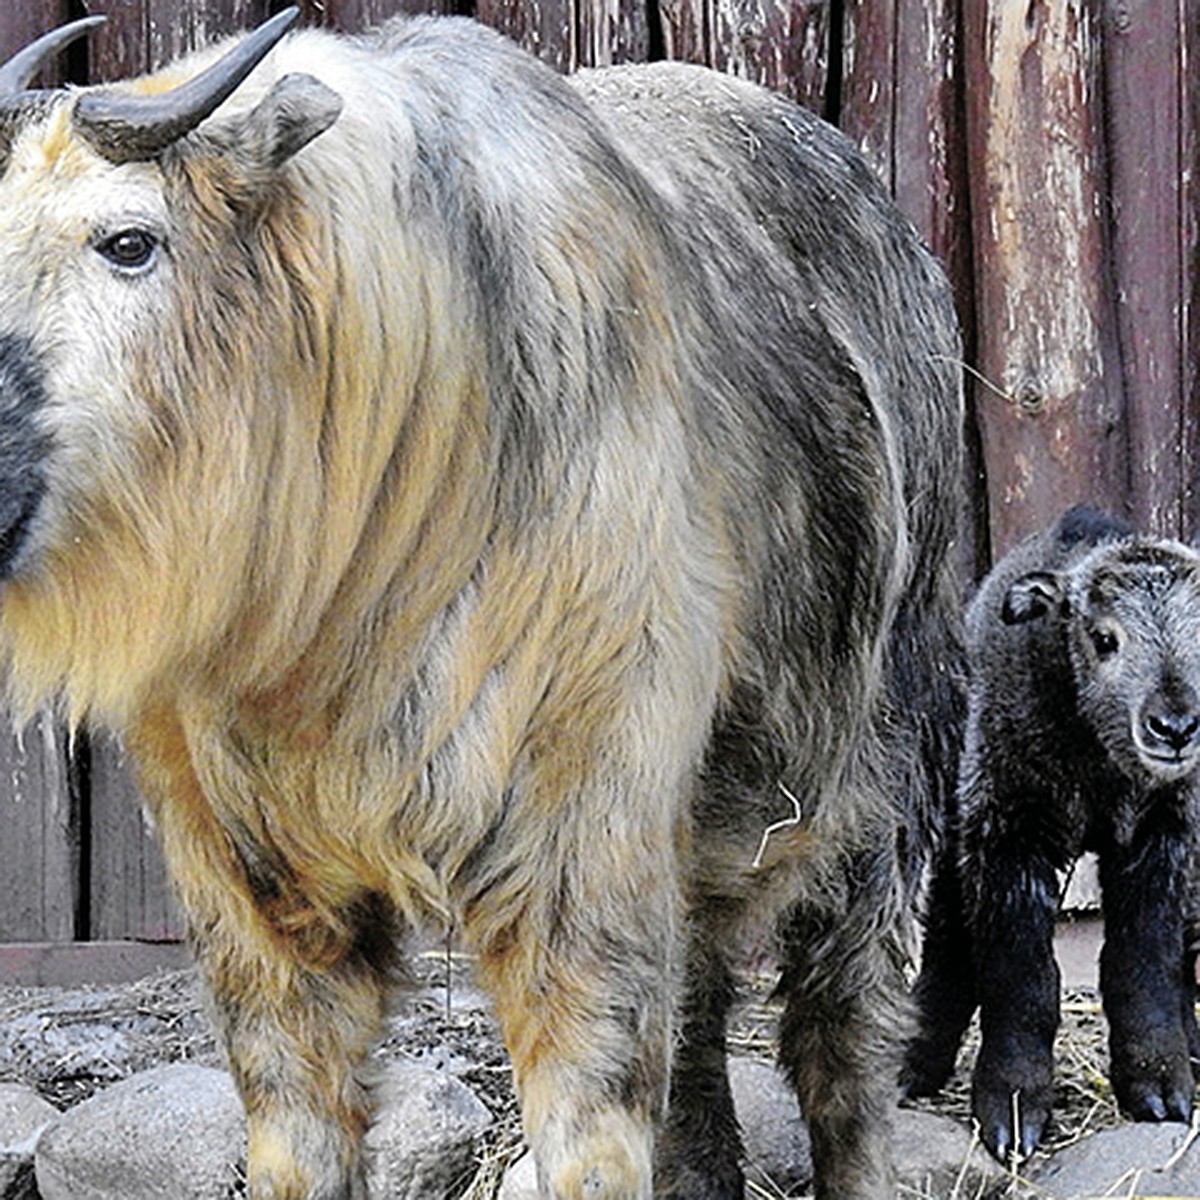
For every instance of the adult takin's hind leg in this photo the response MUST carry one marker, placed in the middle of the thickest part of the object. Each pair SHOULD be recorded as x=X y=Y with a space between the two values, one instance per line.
x=944 y=993
x=699 y=1149
x=842 y=986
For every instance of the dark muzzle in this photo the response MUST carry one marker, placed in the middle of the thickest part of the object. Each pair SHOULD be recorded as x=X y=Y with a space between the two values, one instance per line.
x=23 y=446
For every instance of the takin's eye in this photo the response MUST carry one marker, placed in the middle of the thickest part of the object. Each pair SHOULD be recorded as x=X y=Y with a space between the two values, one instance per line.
x=129 y=250
x=1104 y=642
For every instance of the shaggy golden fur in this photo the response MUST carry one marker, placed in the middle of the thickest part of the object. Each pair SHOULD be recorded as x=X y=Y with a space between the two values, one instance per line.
x=492 y=513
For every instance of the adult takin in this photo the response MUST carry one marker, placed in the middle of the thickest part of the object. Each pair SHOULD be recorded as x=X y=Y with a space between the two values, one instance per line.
x=489 y=499
x=1083 y=733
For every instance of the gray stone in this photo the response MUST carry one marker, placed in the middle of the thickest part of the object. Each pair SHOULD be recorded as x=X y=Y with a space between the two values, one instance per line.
x=777 y=1151
x=171 y=1133
x=936 y=1156
x=520 y=1180
x=425 y=1139
x=1141 y=1160
x=24 y=1116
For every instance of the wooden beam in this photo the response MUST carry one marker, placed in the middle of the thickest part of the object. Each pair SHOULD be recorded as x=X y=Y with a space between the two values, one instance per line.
x=49 y=964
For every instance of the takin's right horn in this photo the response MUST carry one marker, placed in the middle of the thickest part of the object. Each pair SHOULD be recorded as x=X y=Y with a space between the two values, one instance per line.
x=128 y=127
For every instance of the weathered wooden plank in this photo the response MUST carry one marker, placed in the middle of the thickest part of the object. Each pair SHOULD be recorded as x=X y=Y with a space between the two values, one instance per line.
x=546 y=28
x=782 y=44
x=21 y=23
x=1188 y=260
x=1045 y=316
x=172 y=29
x=129 y=896
x=39 y=851
x=42 y=964
x=353 y=16
x=867 y=111
x=686 y=30
x=1143 y=78
x=612 y=31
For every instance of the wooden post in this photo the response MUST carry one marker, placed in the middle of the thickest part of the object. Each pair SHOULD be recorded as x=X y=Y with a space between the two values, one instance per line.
x=1189 y=267
x=1144 y=78
x=1045 y=317
x=782 y=44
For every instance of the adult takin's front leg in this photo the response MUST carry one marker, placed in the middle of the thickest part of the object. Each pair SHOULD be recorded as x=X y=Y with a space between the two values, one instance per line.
x=584 y=978
x=296 y=1033
x=839 y=1041
x=1144 y=974
x=298 y=995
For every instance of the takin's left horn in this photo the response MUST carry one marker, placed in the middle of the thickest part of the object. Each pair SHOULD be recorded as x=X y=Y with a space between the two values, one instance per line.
x=16 y=73
x=125 y=127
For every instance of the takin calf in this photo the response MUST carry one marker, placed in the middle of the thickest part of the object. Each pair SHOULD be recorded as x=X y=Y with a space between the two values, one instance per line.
x=1083 y=733
x=490 y=500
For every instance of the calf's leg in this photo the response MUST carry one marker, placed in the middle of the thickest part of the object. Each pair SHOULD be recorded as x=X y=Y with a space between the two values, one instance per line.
x=1018 y=987
x=1148 y=998
x=944 y=993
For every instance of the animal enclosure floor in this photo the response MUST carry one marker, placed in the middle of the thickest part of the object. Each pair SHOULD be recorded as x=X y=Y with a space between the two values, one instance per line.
x=107 y=1032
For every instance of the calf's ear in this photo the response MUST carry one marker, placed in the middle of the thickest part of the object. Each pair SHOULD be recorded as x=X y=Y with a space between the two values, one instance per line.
x=1030 y=597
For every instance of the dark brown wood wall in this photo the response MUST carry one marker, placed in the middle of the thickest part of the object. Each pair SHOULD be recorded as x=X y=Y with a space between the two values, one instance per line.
x=1047 y=149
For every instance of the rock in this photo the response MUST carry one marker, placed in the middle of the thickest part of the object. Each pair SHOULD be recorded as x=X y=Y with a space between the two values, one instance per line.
x=775 y=1139
x=933 y=1154
x=1128 y=1160
x=520 y=1181
x=24 y=1115
x=425 y=1138
x=936 y=1156
x=778 y=1154
x=171 y=1133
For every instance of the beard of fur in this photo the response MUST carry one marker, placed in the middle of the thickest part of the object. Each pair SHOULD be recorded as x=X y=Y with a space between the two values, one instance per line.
x=265 y=456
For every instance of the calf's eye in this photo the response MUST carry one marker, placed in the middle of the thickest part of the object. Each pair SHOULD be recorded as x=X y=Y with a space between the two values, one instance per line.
x=1105 y=642
x=129 y=249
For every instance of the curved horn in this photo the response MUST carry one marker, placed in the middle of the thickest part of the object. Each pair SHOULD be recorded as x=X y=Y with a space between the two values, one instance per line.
x=125 y=127
x=23 y=66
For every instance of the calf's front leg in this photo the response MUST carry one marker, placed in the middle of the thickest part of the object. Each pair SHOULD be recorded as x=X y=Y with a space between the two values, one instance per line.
x=1017 y=982
x=1148 y=997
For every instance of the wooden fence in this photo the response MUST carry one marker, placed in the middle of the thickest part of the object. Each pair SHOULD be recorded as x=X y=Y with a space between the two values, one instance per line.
x=1046 y=149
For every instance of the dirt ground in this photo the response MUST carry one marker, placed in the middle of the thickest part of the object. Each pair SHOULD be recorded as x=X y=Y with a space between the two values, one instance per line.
x=69 y=1043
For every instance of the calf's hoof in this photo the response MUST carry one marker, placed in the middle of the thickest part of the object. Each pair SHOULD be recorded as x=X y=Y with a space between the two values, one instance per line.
x=1012 y=1109
x=1152 y=1086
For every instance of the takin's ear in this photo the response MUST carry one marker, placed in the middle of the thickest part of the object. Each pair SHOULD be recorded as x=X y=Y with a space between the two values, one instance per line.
x=296 y=110
x=1031 y=596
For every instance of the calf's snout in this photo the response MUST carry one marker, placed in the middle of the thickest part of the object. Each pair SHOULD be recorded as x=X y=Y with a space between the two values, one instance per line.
x=1171 y=729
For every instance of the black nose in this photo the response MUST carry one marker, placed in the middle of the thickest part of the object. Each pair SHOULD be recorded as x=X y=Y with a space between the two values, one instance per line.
x=1176 y=730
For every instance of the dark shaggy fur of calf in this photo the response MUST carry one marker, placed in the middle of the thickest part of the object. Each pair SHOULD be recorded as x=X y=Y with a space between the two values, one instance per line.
x=1083 y=733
